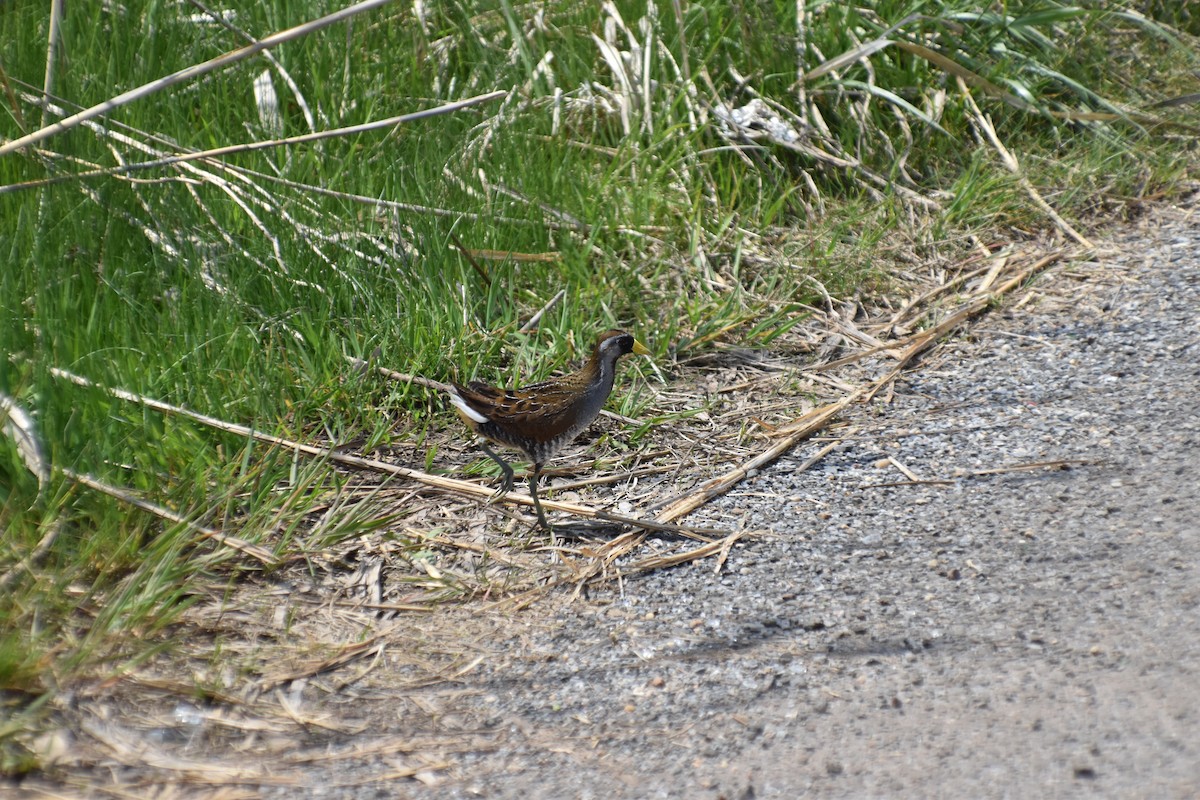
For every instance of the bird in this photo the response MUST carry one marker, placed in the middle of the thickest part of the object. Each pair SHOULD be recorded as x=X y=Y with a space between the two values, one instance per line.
x=541 y=418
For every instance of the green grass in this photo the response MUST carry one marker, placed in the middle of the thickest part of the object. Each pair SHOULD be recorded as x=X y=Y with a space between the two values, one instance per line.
x=238 y=290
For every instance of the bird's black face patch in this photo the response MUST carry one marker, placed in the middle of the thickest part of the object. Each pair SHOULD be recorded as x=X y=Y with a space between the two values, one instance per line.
x=618 y=342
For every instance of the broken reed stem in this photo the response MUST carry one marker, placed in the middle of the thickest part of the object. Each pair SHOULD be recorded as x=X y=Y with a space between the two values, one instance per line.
x=908 y=308
x=794 y=432
x=628 y=542
x=126 y=750
x=1012 y=165
x=983 y=473
x=937 y=291
x=52 y=42
x=189 y=73
x=550 y=257
x=605 y=480
x=479 y=270
x=447 y=484
x=722 y=547
x=17 y=424
x=919 y=342
x=348 y=653
x=402 y=377
x=815 y=459
x=247 y=147
x=1058 y=464
x=35 y=557
x=536 y=318
x=241 y=545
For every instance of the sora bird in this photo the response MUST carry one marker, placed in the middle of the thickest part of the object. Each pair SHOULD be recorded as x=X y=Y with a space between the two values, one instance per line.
x=541 y=418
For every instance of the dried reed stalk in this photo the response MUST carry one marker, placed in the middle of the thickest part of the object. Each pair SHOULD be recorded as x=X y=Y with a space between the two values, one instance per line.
x=241 y=545
x=248 y=147
x=189 y=73
x=919 y=342
x=794 y=432
x=402 y=377
x=984 y=123
x=346 y=655
x=448 y=484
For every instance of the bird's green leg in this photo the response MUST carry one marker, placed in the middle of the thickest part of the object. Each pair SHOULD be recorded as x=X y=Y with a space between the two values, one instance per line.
x=537 y=504
x=507 y=485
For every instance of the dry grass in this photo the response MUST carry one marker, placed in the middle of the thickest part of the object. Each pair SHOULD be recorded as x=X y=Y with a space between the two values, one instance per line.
x=327 y=615
x=451 y=539
x=445 y=544
x=367 y=543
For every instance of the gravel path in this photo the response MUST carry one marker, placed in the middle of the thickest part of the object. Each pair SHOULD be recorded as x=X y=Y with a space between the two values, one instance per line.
x=1022 y=634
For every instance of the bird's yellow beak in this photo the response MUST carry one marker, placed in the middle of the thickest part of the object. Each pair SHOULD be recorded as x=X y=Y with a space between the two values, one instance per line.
x=640 y=349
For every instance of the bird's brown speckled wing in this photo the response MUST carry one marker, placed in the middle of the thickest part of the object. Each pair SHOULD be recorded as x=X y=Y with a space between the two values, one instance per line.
x=540 y=411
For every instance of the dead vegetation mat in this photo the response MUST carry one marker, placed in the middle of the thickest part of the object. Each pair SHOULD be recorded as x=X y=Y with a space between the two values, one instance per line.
x=414 y=602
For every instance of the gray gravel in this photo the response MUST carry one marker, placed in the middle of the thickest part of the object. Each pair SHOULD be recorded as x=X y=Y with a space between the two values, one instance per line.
x=1025 y=634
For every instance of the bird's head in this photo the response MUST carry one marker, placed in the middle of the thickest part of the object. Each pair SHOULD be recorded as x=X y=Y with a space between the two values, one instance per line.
x=614 y=344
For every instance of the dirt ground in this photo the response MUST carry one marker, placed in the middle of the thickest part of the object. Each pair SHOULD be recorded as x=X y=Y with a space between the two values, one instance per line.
x=988 y=588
